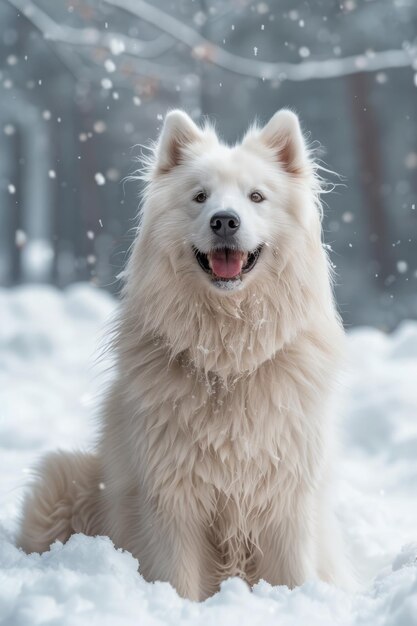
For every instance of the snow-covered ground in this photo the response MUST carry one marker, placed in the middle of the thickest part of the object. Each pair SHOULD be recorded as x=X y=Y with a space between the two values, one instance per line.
x=49 y=385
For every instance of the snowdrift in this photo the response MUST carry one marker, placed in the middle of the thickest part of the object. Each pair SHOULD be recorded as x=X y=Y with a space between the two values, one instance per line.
x=50 y=382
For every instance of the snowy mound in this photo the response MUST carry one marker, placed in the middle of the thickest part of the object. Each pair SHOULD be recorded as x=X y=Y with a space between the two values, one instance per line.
x=50 y=385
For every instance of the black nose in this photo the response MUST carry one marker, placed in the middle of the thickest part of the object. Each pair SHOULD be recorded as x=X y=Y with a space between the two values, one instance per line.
x=225 y=223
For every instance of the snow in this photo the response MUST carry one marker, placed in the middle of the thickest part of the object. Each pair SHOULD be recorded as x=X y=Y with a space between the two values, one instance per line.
x=402 y=267
x=109 y=65
x=9 y=130
x=50 y=383
x=106 y=83
x=99 y=127
x=99 y=178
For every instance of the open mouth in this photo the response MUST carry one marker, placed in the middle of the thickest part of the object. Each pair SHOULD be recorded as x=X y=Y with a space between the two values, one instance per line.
x=226 y=265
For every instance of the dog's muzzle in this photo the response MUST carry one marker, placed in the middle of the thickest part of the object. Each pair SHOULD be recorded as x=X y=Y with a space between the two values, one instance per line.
x=227 y=264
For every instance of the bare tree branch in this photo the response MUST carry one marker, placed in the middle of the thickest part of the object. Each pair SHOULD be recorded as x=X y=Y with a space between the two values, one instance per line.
x=306 y=70
x=203 y=49
x=132 y=67
x=116 y=43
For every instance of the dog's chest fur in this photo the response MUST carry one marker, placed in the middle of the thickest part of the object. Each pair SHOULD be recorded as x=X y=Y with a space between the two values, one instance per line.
x=247 y=446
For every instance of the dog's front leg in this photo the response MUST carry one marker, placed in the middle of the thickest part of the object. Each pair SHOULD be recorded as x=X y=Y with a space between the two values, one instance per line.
x=287 y=551
x=172 y=548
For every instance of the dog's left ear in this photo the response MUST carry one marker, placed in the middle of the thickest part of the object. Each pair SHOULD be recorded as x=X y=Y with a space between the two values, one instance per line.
x=178 y=131
x=283 y=134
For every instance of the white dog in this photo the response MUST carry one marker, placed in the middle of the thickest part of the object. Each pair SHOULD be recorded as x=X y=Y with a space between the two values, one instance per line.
x=216 y=446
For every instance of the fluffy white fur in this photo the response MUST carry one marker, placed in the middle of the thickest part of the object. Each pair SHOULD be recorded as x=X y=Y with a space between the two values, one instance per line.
x=217 y=441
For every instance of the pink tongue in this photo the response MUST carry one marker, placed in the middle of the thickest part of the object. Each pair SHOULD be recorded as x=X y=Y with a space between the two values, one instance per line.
x=226 y=263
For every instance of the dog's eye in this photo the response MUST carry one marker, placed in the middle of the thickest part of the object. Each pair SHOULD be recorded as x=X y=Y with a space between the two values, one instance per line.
x=256 y=196
x=200 y=197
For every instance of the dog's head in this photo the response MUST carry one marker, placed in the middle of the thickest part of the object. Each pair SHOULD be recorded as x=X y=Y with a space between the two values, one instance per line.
x=229 y=233
x=222 y=212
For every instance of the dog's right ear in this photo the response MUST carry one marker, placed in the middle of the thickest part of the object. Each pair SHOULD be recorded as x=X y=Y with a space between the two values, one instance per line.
x=178 y=131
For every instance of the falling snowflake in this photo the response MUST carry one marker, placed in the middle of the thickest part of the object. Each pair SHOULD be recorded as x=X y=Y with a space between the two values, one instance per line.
x=52 y=174
x=113 y=174
x=11 y=188
x=20 y=238
x=106 y=83
x=99 y=178
x=381 y=78
x=109 y=66
x=360 y=62
x=9 y=130
x=255 y=51
x=402 y=267
x=199 y=18
x=99 y=127
x=304 y=52
x=410 y=161
x=349 y=5
x=117 y=46
x=347 y=217
x=262 y=8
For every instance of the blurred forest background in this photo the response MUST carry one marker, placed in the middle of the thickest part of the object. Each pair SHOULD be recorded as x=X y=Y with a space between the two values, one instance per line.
x=84 y=82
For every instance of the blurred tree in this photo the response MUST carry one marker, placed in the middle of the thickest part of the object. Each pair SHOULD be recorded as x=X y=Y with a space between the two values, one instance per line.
x=83 y=80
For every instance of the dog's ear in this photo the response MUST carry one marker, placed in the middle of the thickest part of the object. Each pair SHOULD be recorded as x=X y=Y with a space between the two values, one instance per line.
x=283 y=135
x=178 y=131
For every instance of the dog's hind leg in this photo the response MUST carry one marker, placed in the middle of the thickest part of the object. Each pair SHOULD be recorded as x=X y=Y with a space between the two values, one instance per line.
x=64 y=499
